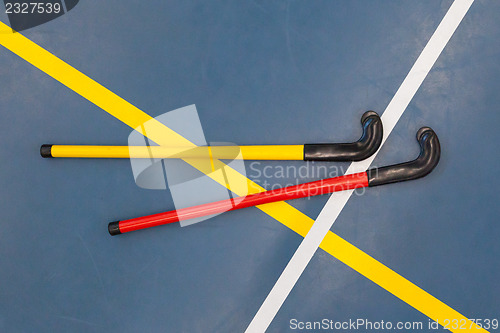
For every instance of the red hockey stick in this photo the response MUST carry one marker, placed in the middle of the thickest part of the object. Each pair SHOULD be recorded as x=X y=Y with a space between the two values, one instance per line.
x=429 y=157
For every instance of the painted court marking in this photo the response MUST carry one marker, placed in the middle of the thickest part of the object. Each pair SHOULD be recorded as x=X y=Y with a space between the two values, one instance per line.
x=281 y=211
x=338 y=200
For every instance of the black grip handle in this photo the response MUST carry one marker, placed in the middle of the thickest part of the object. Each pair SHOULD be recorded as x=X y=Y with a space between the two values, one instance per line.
x=114 y=228
x=430 y=151
x=46 y=151
x=366 y=146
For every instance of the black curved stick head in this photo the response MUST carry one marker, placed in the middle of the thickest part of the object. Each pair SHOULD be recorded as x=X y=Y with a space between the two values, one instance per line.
x=366 y=146
x=430 y=152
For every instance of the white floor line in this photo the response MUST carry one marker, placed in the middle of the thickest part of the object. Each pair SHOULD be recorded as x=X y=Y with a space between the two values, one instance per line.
x=337 y=201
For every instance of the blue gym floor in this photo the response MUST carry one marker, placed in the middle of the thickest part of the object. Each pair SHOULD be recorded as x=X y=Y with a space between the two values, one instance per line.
x=259 y=72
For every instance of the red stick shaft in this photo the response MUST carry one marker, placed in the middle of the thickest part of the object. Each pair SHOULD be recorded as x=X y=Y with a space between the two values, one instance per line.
x=342 y=183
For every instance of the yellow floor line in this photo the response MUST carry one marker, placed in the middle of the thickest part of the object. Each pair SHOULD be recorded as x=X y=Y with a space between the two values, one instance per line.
x=281 y=211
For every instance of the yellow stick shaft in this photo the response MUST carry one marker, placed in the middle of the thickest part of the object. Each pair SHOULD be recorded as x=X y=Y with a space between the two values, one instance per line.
x=266 y=152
